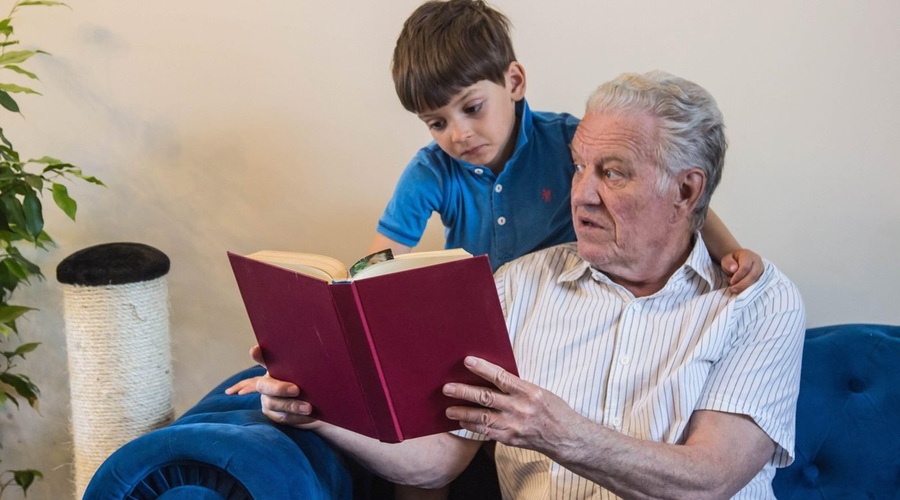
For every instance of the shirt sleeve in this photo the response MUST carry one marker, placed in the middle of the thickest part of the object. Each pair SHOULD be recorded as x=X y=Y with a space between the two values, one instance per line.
x=418 y=194
x=759 y=374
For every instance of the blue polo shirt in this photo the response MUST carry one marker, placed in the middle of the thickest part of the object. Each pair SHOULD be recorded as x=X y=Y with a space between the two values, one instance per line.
x=525 y=208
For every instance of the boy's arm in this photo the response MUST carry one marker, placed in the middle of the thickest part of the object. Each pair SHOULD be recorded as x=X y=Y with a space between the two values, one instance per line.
x=743 y=266
x=380 y=242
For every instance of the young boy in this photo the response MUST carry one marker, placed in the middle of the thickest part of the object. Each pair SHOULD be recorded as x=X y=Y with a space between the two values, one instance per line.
x=498 y=173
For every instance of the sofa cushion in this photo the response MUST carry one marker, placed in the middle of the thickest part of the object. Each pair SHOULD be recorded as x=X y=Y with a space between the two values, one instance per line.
x=848 y=416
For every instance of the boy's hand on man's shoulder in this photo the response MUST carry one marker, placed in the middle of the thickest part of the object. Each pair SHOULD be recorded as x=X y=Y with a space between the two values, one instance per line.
x=743 y=268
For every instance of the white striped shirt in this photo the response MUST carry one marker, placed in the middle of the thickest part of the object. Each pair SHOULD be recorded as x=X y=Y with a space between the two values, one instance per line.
x=643 y=365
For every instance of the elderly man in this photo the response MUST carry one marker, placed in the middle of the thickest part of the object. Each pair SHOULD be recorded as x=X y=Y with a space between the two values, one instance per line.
x=642 y=376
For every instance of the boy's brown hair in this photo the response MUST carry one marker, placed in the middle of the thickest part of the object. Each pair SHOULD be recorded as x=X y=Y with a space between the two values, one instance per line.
x=446 y=46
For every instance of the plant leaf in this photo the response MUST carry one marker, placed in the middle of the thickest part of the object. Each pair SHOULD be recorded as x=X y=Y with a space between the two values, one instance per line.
x=8 y=313
x=13 y=67
x=17 y=56
x=15 y=214
x=63 y=200
x=8 y=102
x=24 y=478
x=24 y=349
x=22 y=385
x=5 y=140
x=34 y=216
x=12 y=87
x=8 y=397
x=47 y=160
x=48 y=3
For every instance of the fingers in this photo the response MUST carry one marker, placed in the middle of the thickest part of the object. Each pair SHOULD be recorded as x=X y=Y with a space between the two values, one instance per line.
x=500 y=378
x=246 y=386
x=750 y=268
x=730 y=264
x=256 y=354
x=279 y=403
x=481 y=420
x=269 y=386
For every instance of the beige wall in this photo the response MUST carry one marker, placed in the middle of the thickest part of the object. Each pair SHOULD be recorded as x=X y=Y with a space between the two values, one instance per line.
x=225 y=125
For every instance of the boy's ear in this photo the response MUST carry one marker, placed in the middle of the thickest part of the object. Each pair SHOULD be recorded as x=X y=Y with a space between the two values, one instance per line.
x=515 y=80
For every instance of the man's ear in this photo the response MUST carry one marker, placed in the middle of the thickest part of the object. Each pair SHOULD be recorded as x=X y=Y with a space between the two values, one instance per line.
x=515 y=80
x=691 y=183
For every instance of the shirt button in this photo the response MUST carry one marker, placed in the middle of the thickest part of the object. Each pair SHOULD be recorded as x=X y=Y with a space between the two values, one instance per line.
x=625 y=359
x=479 y=171
x=617 y=422
x=501 y=220
x=498 y=188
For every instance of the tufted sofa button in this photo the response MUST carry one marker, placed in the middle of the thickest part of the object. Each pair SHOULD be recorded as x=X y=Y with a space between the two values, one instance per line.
x=857 y=385
x=811 y=473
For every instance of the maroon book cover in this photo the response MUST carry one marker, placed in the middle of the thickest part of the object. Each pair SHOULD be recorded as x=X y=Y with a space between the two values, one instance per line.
x=372 y=355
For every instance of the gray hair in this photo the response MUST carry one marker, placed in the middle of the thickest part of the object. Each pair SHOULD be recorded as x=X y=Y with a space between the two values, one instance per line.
x=691 y=129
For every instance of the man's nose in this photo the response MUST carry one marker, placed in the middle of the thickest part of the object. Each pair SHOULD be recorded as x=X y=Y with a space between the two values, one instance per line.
x=584 y=188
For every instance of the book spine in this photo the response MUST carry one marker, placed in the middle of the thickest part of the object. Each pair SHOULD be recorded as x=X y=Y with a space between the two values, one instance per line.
x=365 y=360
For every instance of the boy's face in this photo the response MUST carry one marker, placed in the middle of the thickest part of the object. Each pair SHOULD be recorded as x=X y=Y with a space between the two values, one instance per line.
x=478 y=125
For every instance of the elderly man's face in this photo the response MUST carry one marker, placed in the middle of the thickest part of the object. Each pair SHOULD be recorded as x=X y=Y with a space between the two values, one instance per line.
x=624 y=222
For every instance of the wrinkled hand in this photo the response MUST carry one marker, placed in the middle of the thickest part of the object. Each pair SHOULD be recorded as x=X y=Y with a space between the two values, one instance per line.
x=516 y=413
x=743 y=267
x=279 y=401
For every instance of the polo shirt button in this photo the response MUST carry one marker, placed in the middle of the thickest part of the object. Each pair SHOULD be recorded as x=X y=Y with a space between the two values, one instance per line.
x=501 y=220
x=479 y=171
x=617 y=422
x=498 y=188
x=625 y=359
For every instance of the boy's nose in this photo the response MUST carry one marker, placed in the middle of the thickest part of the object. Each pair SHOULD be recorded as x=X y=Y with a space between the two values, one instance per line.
x=459 y=132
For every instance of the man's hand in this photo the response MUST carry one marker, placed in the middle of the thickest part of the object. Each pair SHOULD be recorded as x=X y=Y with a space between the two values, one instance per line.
x=516 y=412
x=743 y=267
x=279 y=401
x=246 y=386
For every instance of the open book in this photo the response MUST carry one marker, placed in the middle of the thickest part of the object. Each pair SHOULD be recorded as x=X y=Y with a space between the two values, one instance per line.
x=372 y=352
x=331 y=269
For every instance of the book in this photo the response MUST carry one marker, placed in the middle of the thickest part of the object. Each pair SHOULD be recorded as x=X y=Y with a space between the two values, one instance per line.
x=371 y=352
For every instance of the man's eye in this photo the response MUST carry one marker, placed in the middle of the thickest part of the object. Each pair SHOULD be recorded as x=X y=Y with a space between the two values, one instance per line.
x=579 y=168
x=611 y=174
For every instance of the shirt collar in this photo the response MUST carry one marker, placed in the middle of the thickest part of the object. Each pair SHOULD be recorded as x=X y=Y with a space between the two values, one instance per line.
x=698 y=262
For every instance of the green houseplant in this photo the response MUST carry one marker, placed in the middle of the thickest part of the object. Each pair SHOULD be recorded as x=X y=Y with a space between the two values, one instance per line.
x=22 y=185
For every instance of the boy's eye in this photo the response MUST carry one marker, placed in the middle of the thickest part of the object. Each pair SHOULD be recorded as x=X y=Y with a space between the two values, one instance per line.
x=473 y=108
x=437 y=125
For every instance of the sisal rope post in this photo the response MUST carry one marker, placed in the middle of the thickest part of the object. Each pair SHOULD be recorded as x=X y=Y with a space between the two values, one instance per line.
x=115 y=301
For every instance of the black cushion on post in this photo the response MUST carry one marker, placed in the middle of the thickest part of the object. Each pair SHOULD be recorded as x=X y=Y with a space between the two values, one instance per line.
x=112 y=264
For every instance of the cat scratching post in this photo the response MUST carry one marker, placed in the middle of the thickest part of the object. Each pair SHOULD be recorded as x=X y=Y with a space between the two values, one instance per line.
x=117 y=335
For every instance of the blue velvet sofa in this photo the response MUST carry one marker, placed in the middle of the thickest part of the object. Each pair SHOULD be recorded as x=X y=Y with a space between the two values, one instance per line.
x=848 y=439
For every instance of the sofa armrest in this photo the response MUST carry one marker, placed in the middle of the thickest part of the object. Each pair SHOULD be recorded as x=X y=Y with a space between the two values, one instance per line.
x=223 y=447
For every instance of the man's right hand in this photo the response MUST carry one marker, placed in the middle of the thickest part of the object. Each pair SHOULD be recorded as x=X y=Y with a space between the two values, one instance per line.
x=279 y=401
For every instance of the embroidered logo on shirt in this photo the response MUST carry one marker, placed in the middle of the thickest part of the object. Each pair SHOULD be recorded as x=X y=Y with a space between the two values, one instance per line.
x=546 y=195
